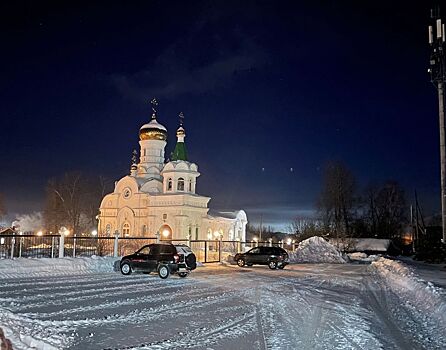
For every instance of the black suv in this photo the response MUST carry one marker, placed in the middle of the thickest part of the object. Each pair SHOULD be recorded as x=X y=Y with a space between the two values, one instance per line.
x=164 y=258
x=274 y=257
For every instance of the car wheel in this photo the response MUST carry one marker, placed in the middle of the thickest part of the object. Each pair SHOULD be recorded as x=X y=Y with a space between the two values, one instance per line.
x=241 y=262
x=281 y=267
x=126 y=269
x=182 y=274
x=272 y=264
x=163 y=271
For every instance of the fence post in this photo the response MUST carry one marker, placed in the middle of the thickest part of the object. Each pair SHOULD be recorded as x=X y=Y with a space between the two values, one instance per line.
x=157 y=234
x=61 y=245
x=52 y=247
x=205 y=251
x=115 y=247
x=20 y=246
x=12 y=247
x=239 y=246
x=74 y=245
x=219 y=251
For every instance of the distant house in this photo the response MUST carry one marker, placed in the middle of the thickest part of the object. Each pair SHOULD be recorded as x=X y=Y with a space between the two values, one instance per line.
x=365 y=245
x=7 y=231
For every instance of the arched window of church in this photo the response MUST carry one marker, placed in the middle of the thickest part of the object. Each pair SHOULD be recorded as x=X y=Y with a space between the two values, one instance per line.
x=190 y=185
x=180 y=186
x=126 y=229
x=108 y=229
x=169 y=184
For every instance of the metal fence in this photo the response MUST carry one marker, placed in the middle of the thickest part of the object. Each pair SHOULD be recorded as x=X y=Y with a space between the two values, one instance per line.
x=53 y=246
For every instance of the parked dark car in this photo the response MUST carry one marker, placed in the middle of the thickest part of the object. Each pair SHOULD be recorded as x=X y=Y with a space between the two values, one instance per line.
x=274 y=257
x=164 y=258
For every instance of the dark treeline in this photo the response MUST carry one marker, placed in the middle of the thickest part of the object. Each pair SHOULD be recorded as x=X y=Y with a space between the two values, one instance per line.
x=379 y=210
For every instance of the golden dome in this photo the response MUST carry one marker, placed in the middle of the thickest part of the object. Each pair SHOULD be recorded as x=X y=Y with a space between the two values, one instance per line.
x=153 y=131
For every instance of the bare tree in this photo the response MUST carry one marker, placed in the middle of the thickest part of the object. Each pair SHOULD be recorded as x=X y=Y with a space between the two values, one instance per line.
x=390 y=210
x=65 y=197
x=337 y=200
x=73 y=201
x=384 y=209
x=304 y=228
x=96 y=188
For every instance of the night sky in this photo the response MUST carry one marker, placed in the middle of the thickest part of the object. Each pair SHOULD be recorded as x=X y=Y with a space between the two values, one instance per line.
x=268 y=84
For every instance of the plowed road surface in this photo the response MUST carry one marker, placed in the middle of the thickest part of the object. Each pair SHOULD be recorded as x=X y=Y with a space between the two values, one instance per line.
x=217 y=307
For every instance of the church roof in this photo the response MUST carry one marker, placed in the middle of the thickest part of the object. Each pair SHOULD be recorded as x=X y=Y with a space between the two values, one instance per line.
x=179 y=153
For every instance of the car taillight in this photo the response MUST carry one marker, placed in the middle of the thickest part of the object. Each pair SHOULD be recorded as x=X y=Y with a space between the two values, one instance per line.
x=177 y=258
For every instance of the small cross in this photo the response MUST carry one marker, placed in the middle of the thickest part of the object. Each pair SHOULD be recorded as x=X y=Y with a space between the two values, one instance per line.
x=181 y=115
x=154 y=103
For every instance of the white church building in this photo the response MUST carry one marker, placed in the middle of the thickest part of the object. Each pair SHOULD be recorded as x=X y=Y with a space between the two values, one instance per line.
x=161 y=198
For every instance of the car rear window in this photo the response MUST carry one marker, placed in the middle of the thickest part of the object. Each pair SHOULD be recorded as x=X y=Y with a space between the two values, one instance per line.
x=167 y=249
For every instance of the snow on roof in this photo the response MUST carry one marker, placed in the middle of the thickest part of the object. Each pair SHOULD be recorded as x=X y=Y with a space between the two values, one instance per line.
x=153 y=124
x=362 y=244
x=225 y=214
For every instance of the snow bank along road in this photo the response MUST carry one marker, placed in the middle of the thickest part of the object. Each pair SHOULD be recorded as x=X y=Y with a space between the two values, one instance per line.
x=325 y=306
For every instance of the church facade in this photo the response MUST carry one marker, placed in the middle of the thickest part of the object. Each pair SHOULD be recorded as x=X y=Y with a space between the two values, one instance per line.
x=161 y=198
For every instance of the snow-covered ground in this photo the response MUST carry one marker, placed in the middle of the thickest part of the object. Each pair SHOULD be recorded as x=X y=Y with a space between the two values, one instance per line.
x=306 y=306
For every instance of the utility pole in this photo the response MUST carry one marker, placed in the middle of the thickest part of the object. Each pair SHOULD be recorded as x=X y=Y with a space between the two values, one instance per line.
x=437 y=38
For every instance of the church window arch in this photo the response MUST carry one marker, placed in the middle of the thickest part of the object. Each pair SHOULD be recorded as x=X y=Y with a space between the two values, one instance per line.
x=169 y=184
x=108 y=229
x=190 y=185
x=180 y=186
x=126 y=229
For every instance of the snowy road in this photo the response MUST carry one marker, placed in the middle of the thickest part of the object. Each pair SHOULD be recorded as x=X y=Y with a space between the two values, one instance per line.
x=217 y=307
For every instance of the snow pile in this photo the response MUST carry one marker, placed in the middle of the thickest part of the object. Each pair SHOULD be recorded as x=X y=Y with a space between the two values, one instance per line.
x=417 y=293
x=37 y=267
x=362 y=257
x=316 y=250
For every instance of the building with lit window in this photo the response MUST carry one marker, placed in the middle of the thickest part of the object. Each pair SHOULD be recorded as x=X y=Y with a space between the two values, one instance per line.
x=159 y=197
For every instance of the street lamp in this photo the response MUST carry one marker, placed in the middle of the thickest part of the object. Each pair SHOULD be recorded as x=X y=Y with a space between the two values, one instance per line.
x=40 y=233
x=94 y=233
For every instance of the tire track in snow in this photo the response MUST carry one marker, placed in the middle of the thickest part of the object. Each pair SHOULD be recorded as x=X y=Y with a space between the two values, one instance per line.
x=153 y=298
x=202 y=337
x=60 y=298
